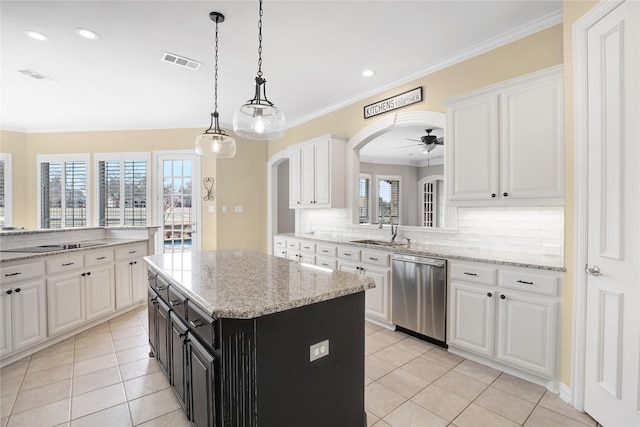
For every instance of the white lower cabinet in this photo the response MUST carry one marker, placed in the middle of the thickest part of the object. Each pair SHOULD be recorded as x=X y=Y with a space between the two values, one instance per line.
x=130 y=274
x=24 y=322
x=65 y=302
x=99 y=290
x=512 y=321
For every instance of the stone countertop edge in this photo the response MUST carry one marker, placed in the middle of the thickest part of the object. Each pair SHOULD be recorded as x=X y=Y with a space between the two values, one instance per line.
x=58 y=230
x=210 y=295
x=21 y=256
x=540 y=262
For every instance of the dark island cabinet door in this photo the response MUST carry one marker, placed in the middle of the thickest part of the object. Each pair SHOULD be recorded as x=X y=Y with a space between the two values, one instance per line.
x=178 y=360
x=201 y=381
x=162 y=323
x=153 y=331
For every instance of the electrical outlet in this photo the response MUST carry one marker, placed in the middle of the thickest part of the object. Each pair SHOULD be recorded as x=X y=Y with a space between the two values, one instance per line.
x=318 y=350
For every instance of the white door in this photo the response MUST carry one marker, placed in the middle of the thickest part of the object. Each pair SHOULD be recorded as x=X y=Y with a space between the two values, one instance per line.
x=29 y=311
x=99 y=292
x=613 y=296
x=307 y=175
x=65 y=299
x=376 y=301
x=472 y=318
x=6 y=341
x=178 y=202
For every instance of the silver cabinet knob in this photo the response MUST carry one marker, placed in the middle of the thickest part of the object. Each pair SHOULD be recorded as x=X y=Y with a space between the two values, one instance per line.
x=594 y=270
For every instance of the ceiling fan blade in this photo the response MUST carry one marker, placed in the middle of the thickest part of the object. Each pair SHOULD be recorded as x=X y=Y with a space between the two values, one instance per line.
x=416 y=140
x=405 y=146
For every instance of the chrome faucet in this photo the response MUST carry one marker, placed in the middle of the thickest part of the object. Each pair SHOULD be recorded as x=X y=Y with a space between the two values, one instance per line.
x=394 y=230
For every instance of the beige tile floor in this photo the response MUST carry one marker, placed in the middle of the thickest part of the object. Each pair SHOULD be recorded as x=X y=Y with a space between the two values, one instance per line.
x=412 y=383
x=104 y=377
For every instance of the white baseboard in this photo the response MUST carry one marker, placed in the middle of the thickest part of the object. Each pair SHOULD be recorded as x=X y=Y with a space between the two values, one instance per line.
x=565 y=393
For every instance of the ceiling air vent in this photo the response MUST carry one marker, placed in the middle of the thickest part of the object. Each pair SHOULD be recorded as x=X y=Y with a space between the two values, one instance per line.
x=180 y=61
x=37 y=76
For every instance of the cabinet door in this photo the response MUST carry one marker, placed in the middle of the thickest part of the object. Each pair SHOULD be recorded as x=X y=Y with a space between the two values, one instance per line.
x=472 y=149
x=527 y=333
x=295 y=200
x=177 y=358
x=532 y=149
x=124 y=295
x=29 y=314
x=307 y=175
x=322 y=173
x=65 y=299
x=377 y=299
x=138 y=280
x=99 y=291
x=471 y=318
x=162 y=323
x=349 y=267
x=201 y=380
x=6 y=341
x=152 y=309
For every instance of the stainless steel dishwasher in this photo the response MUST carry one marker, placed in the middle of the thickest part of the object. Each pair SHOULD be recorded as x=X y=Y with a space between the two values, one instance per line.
x=419 y=296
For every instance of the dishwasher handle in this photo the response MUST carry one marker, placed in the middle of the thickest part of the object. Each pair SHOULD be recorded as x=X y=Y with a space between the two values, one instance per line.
x=432 y=263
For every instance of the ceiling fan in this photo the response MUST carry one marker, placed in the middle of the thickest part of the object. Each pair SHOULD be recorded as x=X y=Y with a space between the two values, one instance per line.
x=429 y=141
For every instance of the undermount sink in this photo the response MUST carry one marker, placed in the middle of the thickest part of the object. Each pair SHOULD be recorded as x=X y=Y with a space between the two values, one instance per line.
x=378 y=242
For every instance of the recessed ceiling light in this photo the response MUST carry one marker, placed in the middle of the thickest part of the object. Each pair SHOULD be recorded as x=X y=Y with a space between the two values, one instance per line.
x=36 y=35
x=87 y=34
x=367 y=73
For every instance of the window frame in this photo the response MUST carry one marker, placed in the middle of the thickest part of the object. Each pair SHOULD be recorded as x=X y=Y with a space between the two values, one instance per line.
x=122 y=157
x=8 y=189
x=370 y=207
x=63 y=159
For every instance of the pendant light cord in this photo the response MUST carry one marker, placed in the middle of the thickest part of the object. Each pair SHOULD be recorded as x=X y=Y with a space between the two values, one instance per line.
x=215 y=86
x=260 y=41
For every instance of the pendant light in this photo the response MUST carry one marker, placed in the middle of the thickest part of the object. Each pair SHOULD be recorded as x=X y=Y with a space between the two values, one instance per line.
x=214 y=141
x=259 y=118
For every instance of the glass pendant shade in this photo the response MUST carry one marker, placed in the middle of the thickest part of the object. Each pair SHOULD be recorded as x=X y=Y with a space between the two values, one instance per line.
x=215 y=142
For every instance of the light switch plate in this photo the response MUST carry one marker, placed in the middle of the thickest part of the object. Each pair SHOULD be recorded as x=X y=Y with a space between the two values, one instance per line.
x=224 y=209
x=212 y=209
x=238 y=209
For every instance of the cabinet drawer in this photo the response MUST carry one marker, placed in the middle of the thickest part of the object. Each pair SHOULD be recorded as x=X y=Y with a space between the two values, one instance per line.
x=177 y=301
x=472 y=273
x=308 y=247
x=375 y=258
x=348 y=252
x=68 y=263
x=201 y=324
x=293 y=244
x=94 y=258
x=331 y=263
x=524 y=281
x=326 y=250
x=279 y=242
x=131 y=251
x=17 y=273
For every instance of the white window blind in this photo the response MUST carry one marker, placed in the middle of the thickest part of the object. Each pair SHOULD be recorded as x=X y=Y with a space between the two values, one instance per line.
x=63 y=191
x=389 y=200
x=364 y=199
x=123 y=196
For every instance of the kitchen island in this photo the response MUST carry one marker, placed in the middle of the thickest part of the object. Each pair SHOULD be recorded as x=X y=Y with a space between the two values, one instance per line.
x=249 y=339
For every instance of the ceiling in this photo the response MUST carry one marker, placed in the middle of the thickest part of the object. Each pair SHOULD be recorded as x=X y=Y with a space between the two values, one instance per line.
x=313 y=55
x=402 y=146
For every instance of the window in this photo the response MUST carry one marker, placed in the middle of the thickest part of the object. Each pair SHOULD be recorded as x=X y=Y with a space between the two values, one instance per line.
x=63 y=191
x=389 y=199
x=123 y=190
x=5 y=189
x=364 y=199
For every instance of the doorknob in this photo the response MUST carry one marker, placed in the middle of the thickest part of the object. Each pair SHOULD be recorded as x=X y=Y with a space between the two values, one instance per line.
x=595 y=270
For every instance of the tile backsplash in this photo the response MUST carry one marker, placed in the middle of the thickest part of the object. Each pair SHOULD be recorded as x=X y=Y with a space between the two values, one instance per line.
x=531 y=230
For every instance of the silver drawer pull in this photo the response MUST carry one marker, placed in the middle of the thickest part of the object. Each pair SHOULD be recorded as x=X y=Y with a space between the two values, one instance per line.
x=325 y=251
x=175 y=302
x=12 y=274
x=347 y=254
x=132 y=252
x=324 y=264
x=68 y=264
x=161 y=288
x=470 y=274
x=526 y=283
x=373 y=259
x=100 y=258
x=195 y=324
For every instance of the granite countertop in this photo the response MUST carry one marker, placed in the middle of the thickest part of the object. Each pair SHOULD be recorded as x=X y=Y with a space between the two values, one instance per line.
x=244 y=284
x=514 y=259
x=105 y=243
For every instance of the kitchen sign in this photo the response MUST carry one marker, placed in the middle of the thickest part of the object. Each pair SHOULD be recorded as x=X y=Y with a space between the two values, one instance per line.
x=404 y=99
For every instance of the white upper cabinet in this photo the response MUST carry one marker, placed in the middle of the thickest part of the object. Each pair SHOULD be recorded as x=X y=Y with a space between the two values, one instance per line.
x=317 y=173
x=505 y=143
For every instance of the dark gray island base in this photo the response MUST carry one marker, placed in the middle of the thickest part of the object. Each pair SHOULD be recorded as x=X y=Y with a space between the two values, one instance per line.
x=291 y=355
